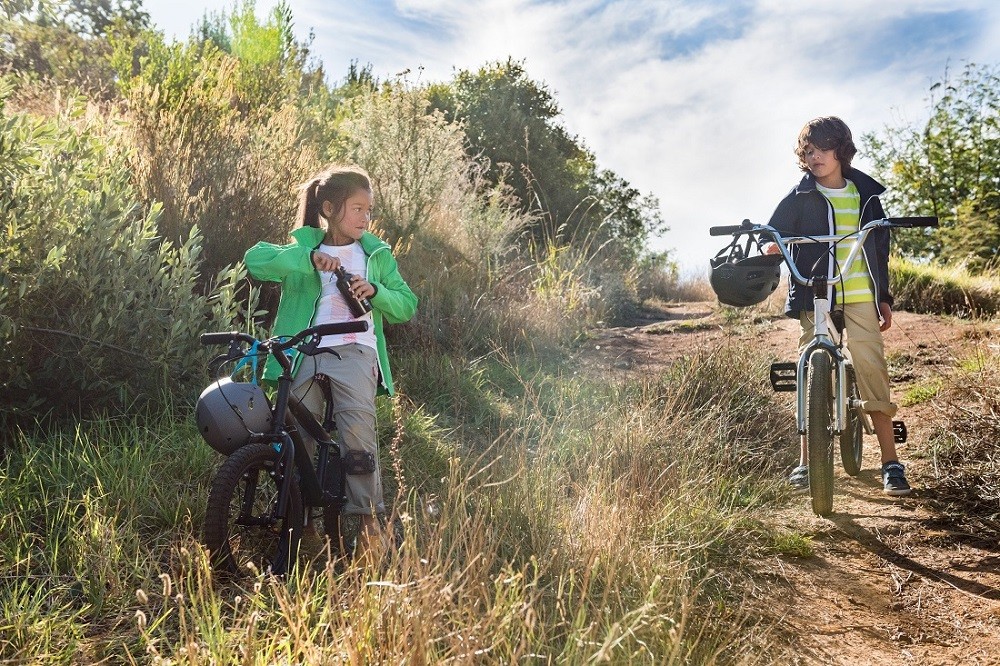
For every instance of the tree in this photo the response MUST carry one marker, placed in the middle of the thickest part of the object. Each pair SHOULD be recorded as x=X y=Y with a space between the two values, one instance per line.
x=66 y=41
x=949 y=168
x=511 y=122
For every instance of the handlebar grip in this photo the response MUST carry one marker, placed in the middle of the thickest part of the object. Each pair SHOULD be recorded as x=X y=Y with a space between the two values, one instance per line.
x=339 y=328
x=916 y=221
x=726 y=230
x=225 y=338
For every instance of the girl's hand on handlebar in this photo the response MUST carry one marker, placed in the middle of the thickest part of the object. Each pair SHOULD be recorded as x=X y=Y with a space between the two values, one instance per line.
x=770 y=248
x=324 y=262
x=885 y=310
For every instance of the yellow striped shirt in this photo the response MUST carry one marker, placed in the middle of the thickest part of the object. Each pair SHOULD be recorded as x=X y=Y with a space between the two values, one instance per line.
x=857 y=285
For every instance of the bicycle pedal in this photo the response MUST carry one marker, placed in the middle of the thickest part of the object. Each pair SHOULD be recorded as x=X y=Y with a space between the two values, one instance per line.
x=783 y=376
x=898 y=432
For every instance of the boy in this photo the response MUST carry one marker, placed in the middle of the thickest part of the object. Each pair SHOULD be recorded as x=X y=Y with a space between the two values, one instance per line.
x=835 y=198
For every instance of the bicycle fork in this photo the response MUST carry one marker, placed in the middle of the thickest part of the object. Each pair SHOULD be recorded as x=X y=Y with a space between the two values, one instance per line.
x=822 y=341
x=839 y=384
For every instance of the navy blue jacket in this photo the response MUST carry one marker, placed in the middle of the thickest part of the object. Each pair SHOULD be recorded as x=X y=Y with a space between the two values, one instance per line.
x=806 y=212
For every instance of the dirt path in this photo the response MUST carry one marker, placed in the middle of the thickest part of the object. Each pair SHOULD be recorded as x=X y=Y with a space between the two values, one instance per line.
x=890 y=582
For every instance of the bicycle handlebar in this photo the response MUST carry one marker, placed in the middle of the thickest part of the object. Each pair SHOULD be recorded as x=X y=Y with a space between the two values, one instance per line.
x=225 y=338
x=318 y=331
x=912 y=222
x=908 y=222
x=784 y=241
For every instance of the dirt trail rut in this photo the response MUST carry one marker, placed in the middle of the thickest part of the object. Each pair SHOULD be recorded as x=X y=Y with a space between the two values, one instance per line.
x=890 y=582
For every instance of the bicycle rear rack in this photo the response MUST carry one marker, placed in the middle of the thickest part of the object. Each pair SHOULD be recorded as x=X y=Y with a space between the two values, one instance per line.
x=783 y=376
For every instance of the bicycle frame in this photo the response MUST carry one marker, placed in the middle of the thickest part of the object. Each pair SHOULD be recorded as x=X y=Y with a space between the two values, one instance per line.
x=821 y=318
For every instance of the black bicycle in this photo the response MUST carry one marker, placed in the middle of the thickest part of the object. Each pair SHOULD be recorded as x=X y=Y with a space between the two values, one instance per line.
x=269 y=488
x=828 y=404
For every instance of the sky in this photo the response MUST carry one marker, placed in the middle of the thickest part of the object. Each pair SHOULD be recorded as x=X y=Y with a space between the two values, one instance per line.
x=698 y=102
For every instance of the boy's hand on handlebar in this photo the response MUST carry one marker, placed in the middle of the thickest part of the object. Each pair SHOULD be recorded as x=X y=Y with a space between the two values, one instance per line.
x=770 y=248
x=324 y=262
x=885 y=310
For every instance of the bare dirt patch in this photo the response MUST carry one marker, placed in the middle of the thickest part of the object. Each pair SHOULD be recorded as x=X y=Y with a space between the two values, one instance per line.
x=891 y=582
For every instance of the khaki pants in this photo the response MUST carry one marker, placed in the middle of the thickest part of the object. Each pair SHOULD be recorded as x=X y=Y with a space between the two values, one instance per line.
x=866 y=351
x=353 y=379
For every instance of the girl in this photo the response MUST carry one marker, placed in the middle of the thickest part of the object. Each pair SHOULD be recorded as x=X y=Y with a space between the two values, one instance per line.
x=331 y=231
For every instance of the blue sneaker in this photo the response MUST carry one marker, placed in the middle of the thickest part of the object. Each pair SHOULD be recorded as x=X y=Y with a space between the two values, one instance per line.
x=799 y=480
x=894 y=479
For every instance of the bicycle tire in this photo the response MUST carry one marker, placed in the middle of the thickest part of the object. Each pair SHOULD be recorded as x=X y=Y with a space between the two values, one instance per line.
x=852 y=436
x=245 y=544
x=819 y=431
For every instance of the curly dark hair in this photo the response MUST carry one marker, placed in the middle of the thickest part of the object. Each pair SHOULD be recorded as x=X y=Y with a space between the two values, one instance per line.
x=827 y=133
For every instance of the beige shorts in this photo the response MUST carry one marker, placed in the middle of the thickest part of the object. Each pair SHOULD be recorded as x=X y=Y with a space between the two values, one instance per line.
x=353 y=380
x=866 y=351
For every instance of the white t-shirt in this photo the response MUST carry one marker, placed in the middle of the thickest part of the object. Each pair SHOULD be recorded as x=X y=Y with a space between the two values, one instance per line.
x=332 y=306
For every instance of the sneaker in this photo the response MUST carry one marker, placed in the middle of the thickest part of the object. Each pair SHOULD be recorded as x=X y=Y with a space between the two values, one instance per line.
x=799 y=480
x=894 y=479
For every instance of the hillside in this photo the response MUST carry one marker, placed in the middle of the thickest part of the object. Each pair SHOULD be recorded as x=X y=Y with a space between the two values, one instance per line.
x=888 y=580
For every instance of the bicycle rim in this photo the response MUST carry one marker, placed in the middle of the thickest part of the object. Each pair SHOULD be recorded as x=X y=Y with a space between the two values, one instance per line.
x=852 y=436
x=242 y=533
x=819 y=431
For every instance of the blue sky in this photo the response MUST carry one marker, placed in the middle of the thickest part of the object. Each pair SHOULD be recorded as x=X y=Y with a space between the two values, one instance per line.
x=695 y=101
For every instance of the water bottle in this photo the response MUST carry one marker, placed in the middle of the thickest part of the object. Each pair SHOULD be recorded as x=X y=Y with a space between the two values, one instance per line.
x=359 y=306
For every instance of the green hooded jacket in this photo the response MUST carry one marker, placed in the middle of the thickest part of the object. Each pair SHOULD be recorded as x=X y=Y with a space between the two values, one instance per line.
x=292 y=266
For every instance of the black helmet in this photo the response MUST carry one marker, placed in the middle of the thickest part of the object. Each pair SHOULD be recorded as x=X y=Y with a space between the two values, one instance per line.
x=740 y=280
x=229 y=411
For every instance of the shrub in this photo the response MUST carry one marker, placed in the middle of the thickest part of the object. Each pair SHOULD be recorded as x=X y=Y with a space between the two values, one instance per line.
x=96 y=311
x=213 y=165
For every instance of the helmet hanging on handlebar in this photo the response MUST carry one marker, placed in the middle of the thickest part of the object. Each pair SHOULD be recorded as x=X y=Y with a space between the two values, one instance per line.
x=228 y=411
x=740 y=280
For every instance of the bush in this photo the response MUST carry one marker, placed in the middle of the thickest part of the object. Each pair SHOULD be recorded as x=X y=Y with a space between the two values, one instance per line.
x=943 y=289
x=96 y=311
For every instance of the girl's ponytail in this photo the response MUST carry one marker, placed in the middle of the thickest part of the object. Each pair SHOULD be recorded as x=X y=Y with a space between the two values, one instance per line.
x=308 y=205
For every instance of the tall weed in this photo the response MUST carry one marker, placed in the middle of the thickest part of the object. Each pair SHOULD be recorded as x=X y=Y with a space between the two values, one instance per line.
x=963 y=450
x=192 y=147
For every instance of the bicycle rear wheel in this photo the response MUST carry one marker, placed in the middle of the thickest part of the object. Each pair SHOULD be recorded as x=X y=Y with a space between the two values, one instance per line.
x=852 y=436
x=242 y=532
x=819 y=431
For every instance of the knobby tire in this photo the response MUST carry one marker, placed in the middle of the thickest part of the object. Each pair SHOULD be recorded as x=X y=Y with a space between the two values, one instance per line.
x=245 y=490
x=819 y=431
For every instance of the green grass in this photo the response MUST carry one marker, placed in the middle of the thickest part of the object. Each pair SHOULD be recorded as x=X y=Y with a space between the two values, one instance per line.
x=793 y=544
x=921 y=393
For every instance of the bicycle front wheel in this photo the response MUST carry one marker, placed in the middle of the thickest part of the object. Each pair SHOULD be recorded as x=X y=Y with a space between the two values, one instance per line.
x=819 y=431
x=243 y=532
x=852 y=436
